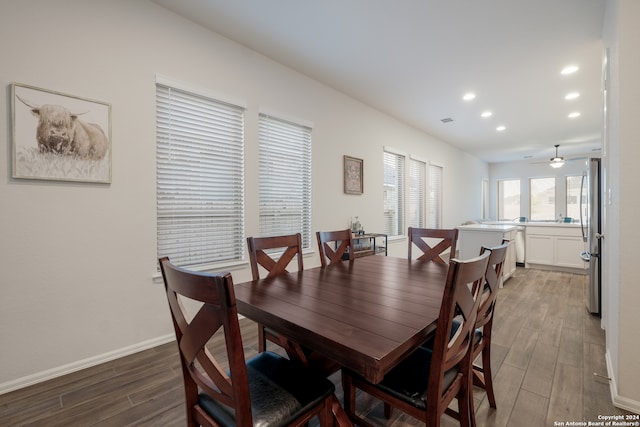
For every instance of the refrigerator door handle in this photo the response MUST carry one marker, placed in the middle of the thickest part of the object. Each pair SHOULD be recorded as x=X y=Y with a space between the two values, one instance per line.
x=582 y=224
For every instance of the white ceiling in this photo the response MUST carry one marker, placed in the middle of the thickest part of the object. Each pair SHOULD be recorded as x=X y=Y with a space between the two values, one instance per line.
x=414 y=59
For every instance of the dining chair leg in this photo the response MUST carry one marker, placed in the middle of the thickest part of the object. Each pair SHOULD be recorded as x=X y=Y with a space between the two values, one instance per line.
x=262 y=339
x=486 y=371
x=472 y=408
x=340 y=418
x=464 y=408
x=388 y=411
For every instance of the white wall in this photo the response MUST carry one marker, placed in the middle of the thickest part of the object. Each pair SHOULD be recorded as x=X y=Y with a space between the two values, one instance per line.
x=78 y=260
x=621 y=36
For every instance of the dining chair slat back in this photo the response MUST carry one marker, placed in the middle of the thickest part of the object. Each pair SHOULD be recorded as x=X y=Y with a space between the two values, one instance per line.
x=238 y=396
x=335 y=246
x=291 y=246
x=448 y=239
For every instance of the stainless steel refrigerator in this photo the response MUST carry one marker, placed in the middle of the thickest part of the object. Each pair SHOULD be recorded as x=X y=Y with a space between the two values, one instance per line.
x=591 y=224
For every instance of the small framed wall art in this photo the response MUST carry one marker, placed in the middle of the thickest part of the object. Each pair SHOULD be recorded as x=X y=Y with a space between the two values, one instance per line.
x=353 y=175
x=59 y=137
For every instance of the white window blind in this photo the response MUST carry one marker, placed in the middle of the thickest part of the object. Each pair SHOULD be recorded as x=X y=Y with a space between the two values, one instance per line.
x=435 y=196
x=200 y=178
x=417 y=193
x=285 y=178
x=485 y=199
x=394 y=177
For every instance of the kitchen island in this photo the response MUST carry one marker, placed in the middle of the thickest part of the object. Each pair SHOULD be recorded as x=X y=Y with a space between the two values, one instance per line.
x=472 y=237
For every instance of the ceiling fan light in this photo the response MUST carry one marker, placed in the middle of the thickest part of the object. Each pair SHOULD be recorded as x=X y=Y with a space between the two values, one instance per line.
x=556 y=162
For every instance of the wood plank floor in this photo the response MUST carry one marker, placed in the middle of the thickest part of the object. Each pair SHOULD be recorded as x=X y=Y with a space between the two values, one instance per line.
x=546 y=349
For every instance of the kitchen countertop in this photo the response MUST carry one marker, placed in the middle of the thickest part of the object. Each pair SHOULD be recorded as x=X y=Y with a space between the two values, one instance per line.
x=550 y=224
x=535 y=223
x=488 y=227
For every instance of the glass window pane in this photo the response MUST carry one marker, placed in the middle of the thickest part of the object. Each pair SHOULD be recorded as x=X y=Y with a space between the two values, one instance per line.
x=573 y=197
x=508 y=199
x=542 y=199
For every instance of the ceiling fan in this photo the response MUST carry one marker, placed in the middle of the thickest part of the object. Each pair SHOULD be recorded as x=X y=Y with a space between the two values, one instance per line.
x=557 y=161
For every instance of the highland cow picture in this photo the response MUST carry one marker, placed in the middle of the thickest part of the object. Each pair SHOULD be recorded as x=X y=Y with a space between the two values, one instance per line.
x=60 y=137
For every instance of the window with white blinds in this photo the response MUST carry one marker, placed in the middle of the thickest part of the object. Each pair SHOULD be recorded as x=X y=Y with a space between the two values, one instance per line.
x=200 y=178
x=416 y=217
x=394 y=177
x=285 y=178
x=435 y=196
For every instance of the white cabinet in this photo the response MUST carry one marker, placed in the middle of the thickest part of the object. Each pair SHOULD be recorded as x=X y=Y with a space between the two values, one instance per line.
x=539 y=249
x=554 y=246
x=568 y=251
x=472 y=237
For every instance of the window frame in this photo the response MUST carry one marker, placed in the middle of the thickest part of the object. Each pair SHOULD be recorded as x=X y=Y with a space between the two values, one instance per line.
x=500 y=197
x=394 y=159
x=531 y=199
x=192 y=124
x=436 y=185
x=417 y=188
x=280 y=164
x=567 y=195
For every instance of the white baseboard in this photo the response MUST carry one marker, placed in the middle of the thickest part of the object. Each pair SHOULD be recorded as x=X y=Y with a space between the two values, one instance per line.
x=82 y=364
x=619 y=401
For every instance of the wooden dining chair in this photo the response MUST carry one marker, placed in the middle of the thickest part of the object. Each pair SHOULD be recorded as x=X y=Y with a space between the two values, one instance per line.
x=335 y=246
x=291 y=246
x=482 y=376
x=266 y=390
x=287 y=247
x=448 y=239
x=424 y=384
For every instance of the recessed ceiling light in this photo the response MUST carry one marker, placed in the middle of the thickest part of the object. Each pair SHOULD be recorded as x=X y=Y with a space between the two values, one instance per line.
x=469 y=96
x=486 y=114
x=574 y=115
x=501 y=128
x=570 y=69
x=572 y=95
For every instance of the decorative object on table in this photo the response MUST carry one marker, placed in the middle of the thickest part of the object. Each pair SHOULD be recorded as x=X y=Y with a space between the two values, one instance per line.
x=60 y=137
x=353 y=175
x=356 y=227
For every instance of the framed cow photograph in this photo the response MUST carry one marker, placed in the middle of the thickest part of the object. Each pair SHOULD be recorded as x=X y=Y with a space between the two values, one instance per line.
x=59 y=137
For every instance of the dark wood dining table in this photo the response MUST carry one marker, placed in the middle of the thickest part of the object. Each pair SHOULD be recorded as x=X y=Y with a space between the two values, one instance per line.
x=367 y=314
